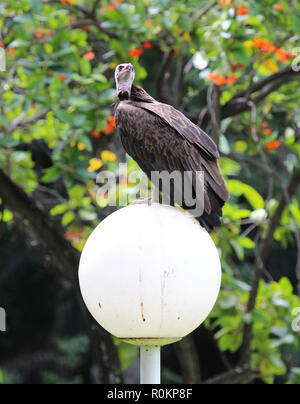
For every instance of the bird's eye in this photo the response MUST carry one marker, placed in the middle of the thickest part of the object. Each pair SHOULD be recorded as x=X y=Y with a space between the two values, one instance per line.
x=121 y=67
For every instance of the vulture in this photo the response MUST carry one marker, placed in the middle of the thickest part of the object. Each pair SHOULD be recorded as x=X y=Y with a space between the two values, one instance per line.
x=160 y=138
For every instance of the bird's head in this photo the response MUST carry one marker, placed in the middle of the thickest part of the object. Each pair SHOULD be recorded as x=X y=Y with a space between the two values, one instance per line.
x=124 y=76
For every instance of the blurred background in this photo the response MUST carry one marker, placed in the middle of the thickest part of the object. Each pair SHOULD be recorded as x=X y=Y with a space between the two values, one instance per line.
x=233 y=68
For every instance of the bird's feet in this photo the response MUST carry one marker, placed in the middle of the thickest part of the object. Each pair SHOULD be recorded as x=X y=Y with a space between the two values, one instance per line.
x=142 y=201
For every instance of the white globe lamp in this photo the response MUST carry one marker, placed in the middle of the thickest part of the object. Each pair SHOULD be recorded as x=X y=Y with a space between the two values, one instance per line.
x=150 y=275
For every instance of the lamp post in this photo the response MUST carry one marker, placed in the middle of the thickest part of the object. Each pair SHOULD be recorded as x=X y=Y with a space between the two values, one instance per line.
x=150 y=275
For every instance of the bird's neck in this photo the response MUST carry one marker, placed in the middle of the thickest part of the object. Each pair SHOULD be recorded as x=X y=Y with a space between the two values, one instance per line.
x=139 y=94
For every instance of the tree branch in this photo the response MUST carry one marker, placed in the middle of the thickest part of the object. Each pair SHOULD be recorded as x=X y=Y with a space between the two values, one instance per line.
x=203 y=12
x=187 y=355
x=21 y=121
x=162 y=79
x=88 y=13
x=238 y=375
x=240 y=102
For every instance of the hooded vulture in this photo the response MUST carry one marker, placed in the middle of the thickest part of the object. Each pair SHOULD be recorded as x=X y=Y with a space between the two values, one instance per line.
x=160 y=138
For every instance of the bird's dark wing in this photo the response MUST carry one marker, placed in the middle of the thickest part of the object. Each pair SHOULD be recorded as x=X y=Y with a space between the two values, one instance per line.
x=157 y=146
x=178 y=121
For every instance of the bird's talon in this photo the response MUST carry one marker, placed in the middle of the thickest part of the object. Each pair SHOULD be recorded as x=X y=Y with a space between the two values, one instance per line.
x=142 y=201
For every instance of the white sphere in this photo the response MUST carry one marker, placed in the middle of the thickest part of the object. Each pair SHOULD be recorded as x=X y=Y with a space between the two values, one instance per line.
x=150 y=272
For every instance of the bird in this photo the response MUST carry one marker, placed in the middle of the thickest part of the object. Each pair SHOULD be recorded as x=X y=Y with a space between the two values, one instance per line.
x=161 y=138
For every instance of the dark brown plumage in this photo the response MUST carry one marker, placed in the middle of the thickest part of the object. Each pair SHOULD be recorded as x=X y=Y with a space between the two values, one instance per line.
x=159 y=138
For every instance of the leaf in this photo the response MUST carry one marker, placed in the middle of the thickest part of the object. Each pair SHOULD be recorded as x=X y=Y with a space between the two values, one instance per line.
x=266 y=367
x=238 y=188
x=6 y=216
x=127 y=354
x=8 y=141
x=77 y=193
x=87 y=142
x=87 y=215
x=295 y=19
x=270 y=65
x=63 y=116
x=224 y=145
x=240 y=146
x=259 y=317
x=79 y=101
x=36 y=5
x=241 y=285
x=238 y=248
x=52 y=174
x=286 y=286
x=246 y=242
x=58 y=209
x=68 y=218
x=228 y=302
x=279 y=331
x=18 y=44
x=278 y=363
x=85 y=67
x=280 y=302
x=241 y=214
x=241 y=56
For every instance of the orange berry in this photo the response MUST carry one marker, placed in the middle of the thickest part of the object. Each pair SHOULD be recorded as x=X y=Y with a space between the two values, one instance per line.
x=111 y=7
x=242 y=11
x=264 y=45
x=96 y=134
x=268 y=131
x=236 y=66
x=217 y=80
x=111 y=121
x=147 y=45
x=284 y=56
x=73 y=235
x=108 y=129
x=89 y=56
x=232 y=79
x=273 y=145
x=135 y=53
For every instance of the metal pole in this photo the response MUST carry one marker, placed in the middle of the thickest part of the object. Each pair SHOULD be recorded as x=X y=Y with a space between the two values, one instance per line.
x=150 y=365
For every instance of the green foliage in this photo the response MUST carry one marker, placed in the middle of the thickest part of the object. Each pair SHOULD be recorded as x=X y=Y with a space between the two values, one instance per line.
x=72 y=352
x=127 y=352
x=56 y=99
x=272 y=321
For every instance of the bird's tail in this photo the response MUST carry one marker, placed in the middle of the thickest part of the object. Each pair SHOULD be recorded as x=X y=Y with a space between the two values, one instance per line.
x=213 y=219
x=209 y=221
